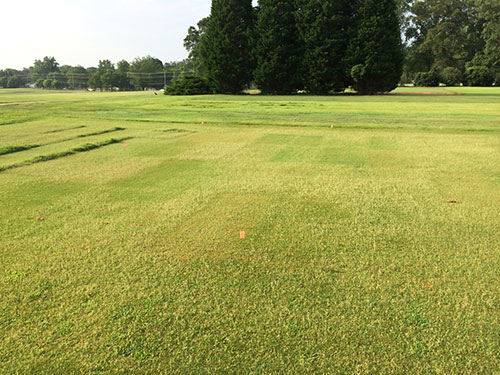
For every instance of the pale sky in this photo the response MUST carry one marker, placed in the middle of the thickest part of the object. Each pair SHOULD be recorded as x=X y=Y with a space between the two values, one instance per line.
x=82 y=32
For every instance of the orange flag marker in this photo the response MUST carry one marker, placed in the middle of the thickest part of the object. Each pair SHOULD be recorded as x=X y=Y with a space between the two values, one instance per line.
x=243 y=235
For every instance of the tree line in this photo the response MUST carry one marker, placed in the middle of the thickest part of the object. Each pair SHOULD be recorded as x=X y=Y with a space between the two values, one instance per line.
x=283 y=46
x=142 y=73
x=287 y=46
x=451 y=42
x=316 y=46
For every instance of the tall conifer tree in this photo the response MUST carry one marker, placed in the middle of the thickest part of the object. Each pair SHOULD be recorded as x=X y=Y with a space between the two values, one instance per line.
x=376 y=50
x=278 y=51
x=226 y=47
x=325 y=31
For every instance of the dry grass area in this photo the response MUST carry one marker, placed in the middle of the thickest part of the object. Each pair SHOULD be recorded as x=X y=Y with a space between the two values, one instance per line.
x=371 y=226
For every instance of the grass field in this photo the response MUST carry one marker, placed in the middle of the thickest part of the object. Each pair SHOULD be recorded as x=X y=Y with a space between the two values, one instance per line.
x=120 y=249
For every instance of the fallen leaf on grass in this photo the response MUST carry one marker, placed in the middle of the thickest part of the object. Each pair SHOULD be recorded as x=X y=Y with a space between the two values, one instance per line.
x=451 y=201
x=40 y=219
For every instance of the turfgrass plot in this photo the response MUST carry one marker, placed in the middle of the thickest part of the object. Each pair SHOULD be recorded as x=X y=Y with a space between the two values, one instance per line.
x=128 y=259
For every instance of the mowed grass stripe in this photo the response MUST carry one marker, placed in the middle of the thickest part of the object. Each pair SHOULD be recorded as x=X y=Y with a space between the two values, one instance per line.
x=14 y=149
x=64 y=129
x=83 y=148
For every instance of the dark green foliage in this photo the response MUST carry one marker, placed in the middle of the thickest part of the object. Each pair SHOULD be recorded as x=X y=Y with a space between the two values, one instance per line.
x=497 y=80
x=278 y=51
x=12 y=149
x=121 y=76
x=478 y=76
x=15 y=81
x=146 y=72
x=376 y=50
x=325 y=29
x=106 y=77
x=77 y=77
x=442 y=33
x=42 y=68
x=226 y=47
x=61 y=79
x=177 y=69
x=56 y=84
x=103 y=77
x=47 y=83
x=13 y=78
x=427 y=79
x=189 y=86
x=489 y=16
x=451 y=76
x=193 y=42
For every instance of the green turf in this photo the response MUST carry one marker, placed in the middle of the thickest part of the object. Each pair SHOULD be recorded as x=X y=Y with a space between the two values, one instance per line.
x=126 y=258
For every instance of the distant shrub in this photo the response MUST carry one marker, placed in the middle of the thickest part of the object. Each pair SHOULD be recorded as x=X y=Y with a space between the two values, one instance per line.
x=451 y=76
x=478 y=76
x=189 y=85
x=57 y=84
x=427 y=79
x=47 y=83
x=39 y=83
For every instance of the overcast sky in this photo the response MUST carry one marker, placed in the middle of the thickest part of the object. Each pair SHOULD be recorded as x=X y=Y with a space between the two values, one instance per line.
x=81 y=32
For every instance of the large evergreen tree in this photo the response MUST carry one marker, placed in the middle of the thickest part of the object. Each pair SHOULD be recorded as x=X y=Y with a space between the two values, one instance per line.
x=376 y=50
x=325 y=32
x=278 y=52
x=489 y=11
x=226 y=47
